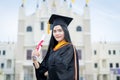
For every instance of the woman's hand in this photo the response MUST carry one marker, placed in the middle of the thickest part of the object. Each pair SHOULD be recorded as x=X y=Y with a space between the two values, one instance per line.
x=46 y=74
x=34 y=55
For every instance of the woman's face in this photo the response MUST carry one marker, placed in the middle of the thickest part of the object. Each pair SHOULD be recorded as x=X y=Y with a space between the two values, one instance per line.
x=58 y=33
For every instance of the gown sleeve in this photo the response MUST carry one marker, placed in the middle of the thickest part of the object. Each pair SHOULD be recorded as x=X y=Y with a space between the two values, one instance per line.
x=69 y=61
x=68 y=56
x=42 y=69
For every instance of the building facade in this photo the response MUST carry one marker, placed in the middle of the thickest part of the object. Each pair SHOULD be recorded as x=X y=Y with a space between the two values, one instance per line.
x=106 y=62
x=7 y=61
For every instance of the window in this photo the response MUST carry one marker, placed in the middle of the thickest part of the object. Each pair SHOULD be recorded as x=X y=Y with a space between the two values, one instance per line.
x=105 y=77
x=9 y=63
x=2 y=65
x=29 y=52
x=111 y=65
x=79 y=28
x=79 y=54
x=104 y=63
x=42 y=25
x=95 y=65
x=4 y=52
x=28 y=73
x=95 y=52
x=29 y=29
x=114 y=52
x=8 y=77
x=70 y=5
x=109 y=51
x=117 y=77
x=117 y=65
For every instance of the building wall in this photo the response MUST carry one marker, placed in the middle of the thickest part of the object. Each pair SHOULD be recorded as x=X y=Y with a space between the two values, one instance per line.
x=7 y=60
x=105 y=57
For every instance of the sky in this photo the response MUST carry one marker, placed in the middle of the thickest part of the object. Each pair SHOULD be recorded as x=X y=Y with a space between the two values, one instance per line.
x=104 y=16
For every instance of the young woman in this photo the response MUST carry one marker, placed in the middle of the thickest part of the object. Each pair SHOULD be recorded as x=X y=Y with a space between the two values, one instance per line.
x=61 y=60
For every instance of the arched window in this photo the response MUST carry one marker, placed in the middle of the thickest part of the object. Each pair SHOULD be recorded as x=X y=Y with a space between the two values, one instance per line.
x=79 y=28
x=29 y=29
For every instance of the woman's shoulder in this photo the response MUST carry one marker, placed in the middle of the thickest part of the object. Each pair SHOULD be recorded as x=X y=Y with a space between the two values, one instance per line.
x=67 y=47
x=70 y=45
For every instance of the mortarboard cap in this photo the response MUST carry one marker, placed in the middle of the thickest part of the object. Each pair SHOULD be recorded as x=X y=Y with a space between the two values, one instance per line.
x=59 y=20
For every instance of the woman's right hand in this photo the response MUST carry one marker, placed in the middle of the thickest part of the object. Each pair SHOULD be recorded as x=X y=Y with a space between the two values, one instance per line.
x=34 y=55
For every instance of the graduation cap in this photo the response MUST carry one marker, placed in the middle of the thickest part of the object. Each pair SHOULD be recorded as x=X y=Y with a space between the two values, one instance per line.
x=59 y=20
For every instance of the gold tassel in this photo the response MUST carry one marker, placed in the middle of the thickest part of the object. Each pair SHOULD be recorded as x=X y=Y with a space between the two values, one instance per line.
x=87 y=1
x=48 y=28
x=23 y=1
x=73 y=1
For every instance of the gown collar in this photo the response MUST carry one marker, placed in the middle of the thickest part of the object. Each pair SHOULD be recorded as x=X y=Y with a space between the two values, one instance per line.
x=60 y=44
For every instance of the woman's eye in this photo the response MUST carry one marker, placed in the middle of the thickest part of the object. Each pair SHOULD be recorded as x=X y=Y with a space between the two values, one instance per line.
x=60 y=30
x=54 y=31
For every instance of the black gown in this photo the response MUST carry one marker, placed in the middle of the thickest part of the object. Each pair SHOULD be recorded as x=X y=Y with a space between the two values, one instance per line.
x=59 y=64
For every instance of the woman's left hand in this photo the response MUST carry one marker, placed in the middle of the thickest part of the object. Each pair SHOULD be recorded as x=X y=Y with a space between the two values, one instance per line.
x=46 y=74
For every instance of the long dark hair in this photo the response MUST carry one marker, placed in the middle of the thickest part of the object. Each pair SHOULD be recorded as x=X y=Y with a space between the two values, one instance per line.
x=53 y=42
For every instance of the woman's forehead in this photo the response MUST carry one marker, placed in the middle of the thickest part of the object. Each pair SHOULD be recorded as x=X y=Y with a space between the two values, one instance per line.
x=57 y=27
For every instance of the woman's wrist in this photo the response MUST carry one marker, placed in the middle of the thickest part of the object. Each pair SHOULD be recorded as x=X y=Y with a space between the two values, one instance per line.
x=36 y=64
x=34 y=58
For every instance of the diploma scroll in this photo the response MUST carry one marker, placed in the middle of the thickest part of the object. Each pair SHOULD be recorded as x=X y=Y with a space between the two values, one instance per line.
x=40 y=43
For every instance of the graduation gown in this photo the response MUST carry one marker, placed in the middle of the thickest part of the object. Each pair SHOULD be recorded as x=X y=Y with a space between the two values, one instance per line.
x=59 y=64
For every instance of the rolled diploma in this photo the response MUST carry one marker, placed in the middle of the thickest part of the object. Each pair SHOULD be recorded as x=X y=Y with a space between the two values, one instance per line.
x=40 y=43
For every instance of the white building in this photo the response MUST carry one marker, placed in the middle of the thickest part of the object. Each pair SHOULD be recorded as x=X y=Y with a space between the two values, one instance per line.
x=106 y=60
x=7 y=69
x=32 y=27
